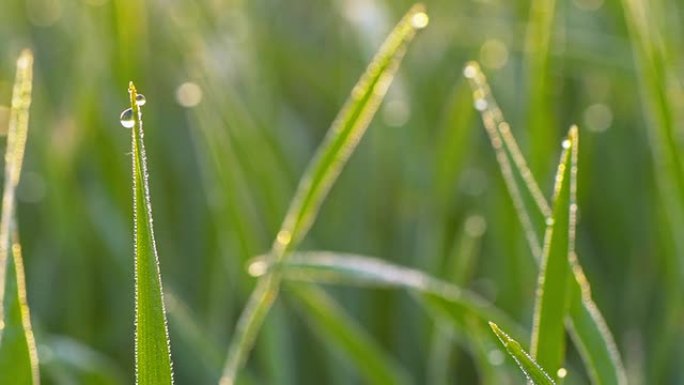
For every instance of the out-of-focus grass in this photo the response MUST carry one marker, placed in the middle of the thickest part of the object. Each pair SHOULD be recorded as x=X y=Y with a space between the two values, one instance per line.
x=271 y=76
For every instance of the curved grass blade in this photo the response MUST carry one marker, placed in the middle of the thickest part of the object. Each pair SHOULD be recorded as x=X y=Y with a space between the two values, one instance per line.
x=532 y=370
x=529 y=201
x=341 y=140
x=152 y=349
x=603 y=361
x=18 y=355
x=349 y=269
x=551 y=304
x=337 y=328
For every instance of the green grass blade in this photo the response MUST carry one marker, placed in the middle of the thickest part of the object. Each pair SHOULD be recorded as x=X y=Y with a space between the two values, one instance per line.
x=337 y=328
x=657 y=64
x=602 y=361
x=532 y=370
x=540 y=118
x=589 y=331
x=18 y=355
x=331 y=156
x=346 y=131
x=349 y=269
x=152 y=349
x=528 y=200
x=551 y=305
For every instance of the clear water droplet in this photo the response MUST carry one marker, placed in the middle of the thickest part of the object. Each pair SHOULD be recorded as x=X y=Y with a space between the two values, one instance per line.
x=480 y=104
x=566 y=144
x=549 y=221
x=127 y=118
x=140 y=100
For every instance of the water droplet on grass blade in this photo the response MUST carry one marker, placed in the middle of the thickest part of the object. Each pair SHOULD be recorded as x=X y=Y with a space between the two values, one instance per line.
x=127 y=118
x=140 y=100
x=480 y=104
x=566 y=144
x=562 y=373
x=420 y=20
x=470 y=70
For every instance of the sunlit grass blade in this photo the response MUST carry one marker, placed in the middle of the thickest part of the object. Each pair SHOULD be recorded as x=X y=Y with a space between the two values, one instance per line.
x=18 y=355
x=152 y=349
x=589 y=331
x=349 y=269
x=344 y=334
x=529 y=201
x=532 y=370
x=344 y=134
x=551 y=305
x=603 y=361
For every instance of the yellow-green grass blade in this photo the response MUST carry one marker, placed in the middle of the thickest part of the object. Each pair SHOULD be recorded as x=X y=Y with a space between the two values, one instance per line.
x=602 y=360
x=152 y=349
x=551 y=304
x=18 y=355
x=356 y=270
x=532 y=370
x=337 y=328
x=528 y=200
x=540 y=118
x=344 y=134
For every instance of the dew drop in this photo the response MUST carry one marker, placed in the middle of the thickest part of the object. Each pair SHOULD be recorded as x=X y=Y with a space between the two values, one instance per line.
x=549 y=221
x=470 y=71
x=566 y=144
x=127 y=118
x=480 y=104
x=562 y=373
x=140 y=100
x=420 y=20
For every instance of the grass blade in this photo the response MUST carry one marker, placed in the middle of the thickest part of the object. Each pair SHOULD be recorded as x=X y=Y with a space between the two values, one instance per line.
x=152 y=349
x=326 y=317
x=551 y=305
x=349 y=269
x=602 y=361
x=532 y=370
x=660 y=83
x=528 y=200
x=540 y=118
x=341 y=140
x=18 y=355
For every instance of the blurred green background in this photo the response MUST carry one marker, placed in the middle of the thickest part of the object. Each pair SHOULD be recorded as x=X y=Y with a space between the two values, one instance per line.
x=239 y=94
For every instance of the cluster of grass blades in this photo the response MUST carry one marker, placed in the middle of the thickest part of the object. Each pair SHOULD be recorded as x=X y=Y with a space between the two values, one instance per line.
x=563 y=293
x=18 y=354
x=563 y=299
